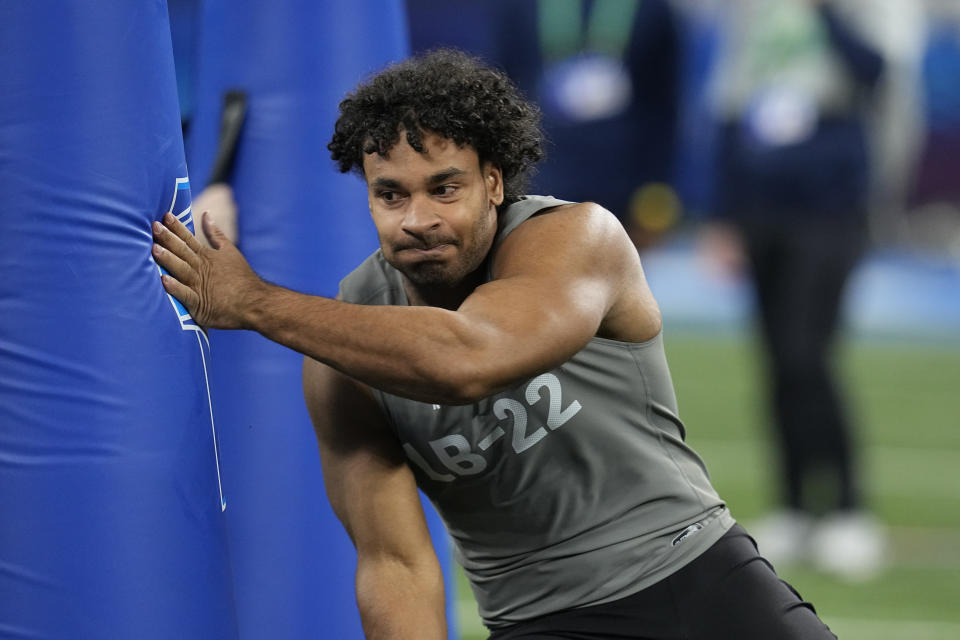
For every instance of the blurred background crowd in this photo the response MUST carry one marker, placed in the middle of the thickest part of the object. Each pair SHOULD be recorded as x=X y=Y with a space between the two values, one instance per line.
x=630 y=91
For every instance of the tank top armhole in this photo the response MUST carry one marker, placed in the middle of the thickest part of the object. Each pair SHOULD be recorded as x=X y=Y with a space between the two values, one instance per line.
x=381 y=400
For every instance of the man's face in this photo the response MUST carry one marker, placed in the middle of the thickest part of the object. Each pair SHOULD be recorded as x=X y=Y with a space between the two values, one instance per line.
x=435 y=212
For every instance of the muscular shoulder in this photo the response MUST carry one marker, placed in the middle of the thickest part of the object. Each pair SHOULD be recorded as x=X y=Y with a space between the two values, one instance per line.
x=585 y=243
x=582 y=231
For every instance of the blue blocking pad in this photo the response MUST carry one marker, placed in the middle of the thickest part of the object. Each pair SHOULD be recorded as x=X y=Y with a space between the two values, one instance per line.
x=302 y=225
x=111 y=502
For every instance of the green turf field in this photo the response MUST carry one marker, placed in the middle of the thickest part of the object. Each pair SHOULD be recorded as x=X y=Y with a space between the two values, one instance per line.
x=907 y=401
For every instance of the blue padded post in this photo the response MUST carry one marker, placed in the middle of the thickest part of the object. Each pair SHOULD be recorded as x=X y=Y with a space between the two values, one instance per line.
x=303 y=225
x=111 y=522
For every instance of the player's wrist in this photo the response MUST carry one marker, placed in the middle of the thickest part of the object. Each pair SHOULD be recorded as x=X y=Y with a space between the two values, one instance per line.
x=254 y=303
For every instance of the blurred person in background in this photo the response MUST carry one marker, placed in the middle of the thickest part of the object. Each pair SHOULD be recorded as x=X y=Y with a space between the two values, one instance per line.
x=792 y=92
x=933 y=220
x=606 y=75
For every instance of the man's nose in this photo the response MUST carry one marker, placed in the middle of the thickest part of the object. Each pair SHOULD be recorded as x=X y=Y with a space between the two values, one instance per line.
x=421 y=216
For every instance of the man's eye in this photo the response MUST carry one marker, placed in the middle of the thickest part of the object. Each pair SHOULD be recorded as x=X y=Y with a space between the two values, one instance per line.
x=389 y=196
x=445 y=190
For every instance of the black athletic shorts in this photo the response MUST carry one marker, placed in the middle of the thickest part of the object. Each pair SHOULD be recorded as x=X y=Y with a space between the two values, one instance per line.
x=728 y=593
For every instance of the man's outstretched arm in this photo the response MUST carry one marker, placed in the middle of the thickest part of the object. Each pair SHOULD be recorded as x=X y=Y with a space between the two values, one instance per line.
x=371 y=489
x=559 y=277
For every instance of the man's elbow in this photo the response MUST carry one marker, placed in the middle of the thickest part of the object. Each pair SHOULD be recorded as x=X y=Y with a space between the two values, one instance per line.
x=471 y=390
x=462 y=384
x=459 y=379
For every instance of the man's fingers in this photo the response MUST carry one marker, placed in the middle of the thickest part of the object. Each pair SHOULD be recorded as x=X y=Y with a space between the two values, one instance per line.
x=165 y=237
x=214 y=235
x=181 y=292
x=177 y=267
x=181 y=231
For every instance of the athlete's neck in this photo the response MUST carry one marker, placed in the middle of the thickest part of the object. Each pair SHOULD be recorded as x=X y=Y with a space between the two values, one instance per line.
x=444 y=297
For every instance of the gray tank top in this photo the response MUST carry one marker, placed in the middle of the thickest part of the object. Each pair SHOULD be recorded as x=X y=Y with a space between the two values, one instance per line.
x=571 y=489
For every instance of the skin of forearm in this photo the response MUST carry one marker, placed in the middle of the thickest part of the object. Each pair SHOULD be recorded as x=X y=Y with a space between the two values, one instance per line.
x=424 y=353
x=398 y=601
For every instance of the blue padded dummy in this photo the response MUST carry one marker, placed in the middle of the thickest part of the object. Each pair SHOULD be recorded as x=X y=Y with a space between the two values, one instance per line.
x=303 y=225
x=111 y=521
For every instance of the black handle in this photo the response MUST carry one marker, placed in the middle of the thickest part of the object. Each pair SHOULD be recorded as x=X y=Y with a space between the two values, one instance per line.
x=232 y=115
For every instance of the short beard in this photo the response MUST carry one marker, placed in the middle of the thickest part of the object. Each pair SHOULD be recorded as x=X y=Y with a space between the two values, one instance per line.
x=440 y=276
x=432 y=274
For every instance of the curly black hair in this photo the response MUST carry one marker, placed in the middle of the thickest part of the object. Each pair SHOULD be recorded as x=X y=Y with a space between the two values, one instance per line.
x=453 y=95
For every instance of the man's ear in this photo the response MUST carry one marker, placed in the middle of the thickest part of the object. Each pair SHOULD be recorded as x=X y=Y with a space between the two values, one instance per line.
x=493 y=180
